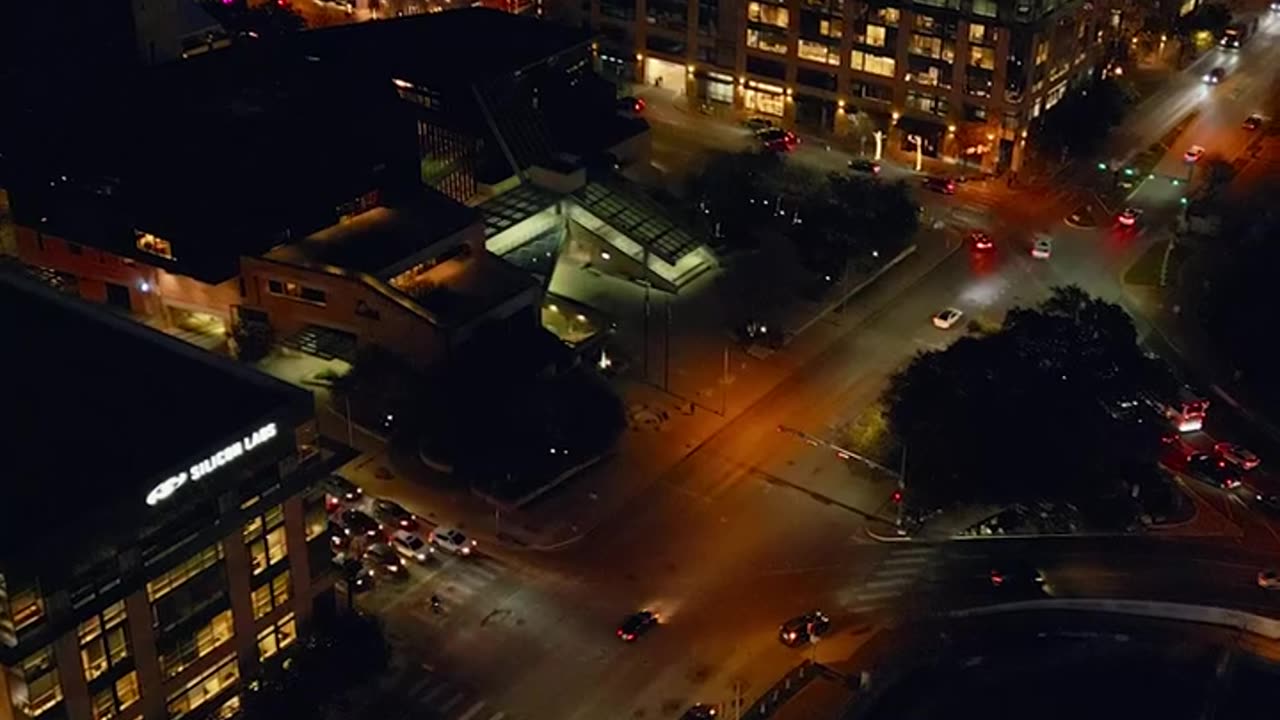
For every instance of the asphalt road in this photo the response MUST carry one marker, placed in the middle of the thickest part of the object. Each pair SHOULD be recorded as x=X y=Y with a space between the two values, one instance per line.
x=743 y=533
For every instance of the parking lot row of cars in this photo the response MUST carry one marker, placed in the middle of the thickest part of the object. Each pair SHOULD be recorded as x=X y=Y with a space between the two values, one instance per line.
x=378 y=537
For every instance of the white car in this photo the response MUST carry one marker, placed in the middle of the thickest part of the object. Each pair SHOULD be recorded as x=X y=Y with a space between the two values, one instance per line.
x=1269 y=580
x=1042 y=249
x=945 y=319
x=451 y=540
x=411 y=546
x=1193 y=153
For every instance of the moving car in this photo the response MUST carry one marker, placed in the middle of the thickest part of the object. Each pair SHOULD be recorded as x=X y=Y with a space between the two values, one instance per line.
x=1129 y=216
x=1193 y=153
x=357 y=575
x=981 y=241
x=393 y=513
x=355 y=522
x=451 y=540
x=412 y=546
x=1253 y=122
x=343 y=489
x=778 y=140
x=629 y=104
x=701 y=711
x=385 y=561
x=1269 y=579
x=637 y=624
x=1016 y=576
x=1215 y=76
x=1042 y=249
x=945 y=319
x=1239 y=456
x=1214 y=471
x=865 y=166
x=804 y=628
x=944 y=185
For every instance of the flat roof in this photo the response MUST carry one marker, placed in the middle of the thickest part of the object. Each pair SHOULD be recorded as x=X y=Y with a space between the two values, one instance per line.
x=468 y=285
x=100 y=406
x=454 y=46
x=377 y=241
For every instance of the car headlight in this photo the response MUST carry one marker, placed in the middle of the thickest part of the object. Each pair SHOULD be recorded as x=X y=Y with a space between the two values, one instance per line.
x=421 y=557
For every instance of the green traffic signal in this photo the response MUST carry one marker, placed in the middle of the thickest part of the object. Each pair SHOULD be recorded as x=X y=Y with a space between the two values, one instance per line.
x=1102 y=166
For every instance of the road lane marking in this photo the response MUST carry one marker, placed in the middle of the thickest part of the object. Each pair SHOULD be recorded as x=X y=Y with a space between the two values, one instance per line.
x=890 y=582
x=472 y=711
x=420 y=686
x=431 y=695
x=914 y=560
x=498 y=716
x=453 y=701
x=866 y=597
x=895 y=572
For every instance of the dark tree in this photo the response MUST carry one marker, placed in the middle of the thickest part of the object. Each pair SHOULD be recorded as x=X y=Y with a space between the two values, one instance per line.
x=269 y=19
x=1017 y=415
x=1079 y=123
x=1212 y=18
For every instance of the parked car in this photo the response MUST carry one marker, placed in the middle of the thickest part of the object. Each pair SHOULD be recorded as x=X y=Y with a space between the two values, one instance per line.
x=1042 y=248
x=452 y=541
x=637 y=624
x=393 y=513
x=411 y=546
x=358 y=521
x=1241 y=457
x=631 y=105
x=1253 y=122
x=804 y=628
x=701 y=711
x=1129 y=217
x=385 y=561
x=1214 y=471
x=342 y=488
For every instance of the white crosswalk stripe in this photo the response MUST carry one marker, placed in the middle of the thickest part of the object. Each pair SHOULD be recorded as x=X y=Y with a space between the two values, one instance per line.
x=430 y=694
x=894 y=576
x=456 y=584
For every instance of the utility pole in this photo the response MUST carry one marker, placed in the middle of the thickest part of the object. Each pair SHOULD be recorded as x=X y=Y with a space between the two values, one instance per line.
x=666 y=349
x=351 y=440
x=724 y=384
x=737 y=700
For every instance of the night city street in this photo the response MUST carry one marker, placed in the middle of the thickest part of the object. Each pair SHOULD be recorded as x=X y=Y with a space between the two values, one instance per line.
x=649 y=361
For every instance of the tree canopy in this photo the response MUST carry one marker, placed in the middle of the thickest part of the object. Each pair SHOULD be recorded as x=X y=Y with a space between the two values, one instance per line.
x=1017 y=415
x=1079 y=123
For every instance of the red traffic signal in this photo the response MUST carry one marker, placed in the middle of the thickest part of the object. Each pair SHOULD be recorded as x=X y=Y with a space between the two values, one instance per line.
x=896 y=497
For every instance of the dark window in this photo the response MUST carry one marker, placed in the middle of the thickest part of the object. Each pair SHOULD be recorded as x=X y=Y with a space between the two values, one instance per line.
x=668 y=46
x=706 y=54
x=74 y=248
x=768 y=68
x=871 y=91
x=313 y=295
x=708 y=16
x=275 y=287
x=814 y=78
x=621 y=9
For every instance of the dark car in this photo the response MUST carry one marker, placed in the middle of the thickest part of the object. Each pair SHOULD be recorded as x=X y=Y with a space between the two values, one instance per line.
x=637 y=624
x=342 y=488
x=1215 y=76
x=385 y=561
x=393 y=513
x=804 y=628
x=1214 y=471
x=701 y=711
x=1253 y=122
x=629 y=104
x=1270 y=501
x=357 y=521
x=1016 y=576
x=358 y=577
x=944 y=185
x=864 y=165
x=778 y=140
x=758 y=124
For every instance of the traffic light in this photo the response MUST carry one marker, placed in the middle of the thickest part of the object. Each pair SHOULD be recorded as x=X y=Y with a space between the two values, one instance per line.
x=896 y=497
x=1102 y=166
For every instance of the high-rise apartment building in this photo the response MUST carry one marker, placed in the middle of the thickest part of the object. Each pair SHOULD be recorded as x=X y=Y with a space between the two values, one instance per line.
x=957 y=78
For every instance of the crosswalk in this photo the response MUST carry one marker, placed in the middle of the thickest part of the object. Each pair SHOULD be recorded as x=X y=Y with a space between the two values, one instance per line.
x=897 y=573
x=454 y=580
x=424 y=693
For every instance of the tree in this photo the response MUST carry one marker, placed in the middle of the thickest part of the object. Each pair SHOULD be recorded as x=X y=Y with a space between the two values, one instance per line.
x=856 y=220
x=1079 y=123
x=1211 y=18
x=1017 y=415
x=735 y=191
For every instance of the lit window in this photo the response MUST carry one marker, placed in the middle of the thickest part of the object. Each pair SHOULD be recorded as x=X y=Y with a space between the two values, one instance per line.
x=26 y=608
x=874 y=64
x=890 y=16
x=188 y=569
x=818 y=52
x=43 y=688
x=767 y=40
x=203 y=641
x=768 y=14
x=203 y=688
x=264 y=536
x=874 y=36
x=103 y=640
x=277 y=637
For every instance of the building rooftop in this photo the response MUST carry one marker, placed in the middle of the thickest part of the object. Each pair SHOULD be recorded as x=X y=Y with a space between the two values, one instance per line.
x=467 y=285
x=456 y=46
x=102 y=409
x=379 y=241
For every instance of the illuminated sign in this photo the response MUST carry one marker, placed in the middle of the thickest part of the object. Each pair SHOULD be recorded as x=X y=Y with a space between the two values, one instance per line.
x=222 y=457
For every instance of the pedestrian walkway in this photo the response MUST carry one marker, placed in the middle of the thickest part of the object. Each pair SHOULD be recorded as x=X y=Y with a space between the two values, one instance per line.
x=455 y=585
x=425 y=693
x=893 y=577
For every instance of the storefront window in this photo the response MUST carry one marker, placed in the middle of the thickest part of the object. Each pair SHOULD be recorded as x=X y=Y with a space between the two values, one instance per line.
x=720 y=91
x=768 y=103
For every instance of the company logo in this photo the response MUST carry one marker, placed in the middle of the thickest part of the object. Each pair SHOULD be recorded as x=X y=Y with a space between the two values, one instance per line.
x=222 y=457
